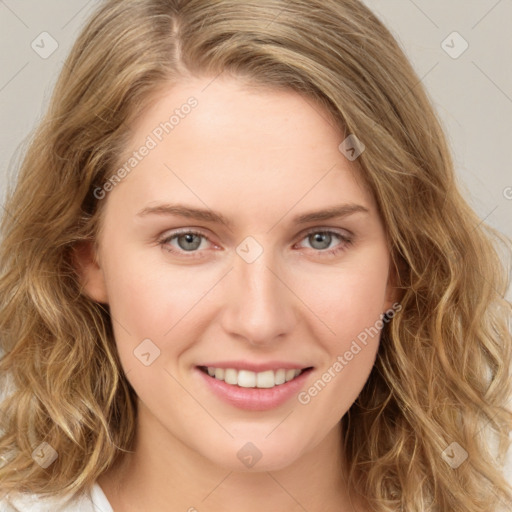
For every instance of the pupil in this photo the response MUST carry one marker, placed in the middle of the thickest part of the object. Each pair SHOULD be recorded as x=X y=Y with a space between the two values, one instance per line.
x=189 y=241
x=323 y=238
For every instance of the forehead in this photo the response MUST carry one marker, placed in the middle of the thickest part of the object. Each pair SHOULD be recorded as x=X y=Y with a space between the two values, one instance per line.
x=239 y=146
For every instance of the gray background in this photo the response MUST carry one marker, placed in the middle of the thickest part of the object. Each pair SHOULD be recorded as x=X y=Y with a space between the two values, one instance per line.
x=472 y=93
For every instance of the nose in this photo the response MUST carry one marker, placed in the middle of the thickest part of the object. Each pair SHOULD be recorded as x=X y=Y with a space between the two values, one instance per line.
x=259 y=306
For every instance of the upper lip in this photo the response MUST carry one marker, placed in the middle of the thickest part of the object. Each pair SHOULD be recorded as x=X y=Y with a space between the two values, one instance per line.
x=256 y=367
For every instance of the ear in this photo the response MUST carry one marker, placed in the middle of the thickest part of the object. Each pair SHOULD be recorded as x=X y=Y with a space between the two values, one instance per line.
x=89 y=271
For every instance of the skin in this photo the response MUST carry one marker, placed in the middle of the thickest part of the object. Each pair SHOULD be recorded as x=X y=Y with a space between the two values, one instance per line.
x=260 y=157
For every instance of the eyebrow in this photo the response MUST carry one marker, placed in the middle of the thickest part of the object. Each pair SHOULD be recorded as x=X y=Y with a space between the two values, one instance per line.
x=207 y=215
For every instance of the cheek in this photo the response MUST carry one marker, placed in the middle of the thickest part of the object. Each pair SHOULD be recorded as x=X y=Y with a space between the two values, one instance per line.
x=349 y=305
x=153 y=300
x=347 y=300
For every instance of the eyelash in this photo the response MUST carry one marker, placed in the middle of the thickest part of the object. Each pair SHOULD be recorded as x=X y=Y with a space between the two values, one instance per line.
x=346 y=241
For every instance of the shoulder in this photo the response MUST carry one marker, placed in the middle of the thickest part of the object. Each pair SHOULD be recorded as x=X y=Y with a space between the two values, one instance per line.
x=93 y=501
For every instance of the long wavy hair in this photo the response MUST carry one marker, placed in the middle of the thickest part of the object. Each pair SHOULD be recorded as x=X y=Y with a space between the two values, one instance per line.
x=442 y=373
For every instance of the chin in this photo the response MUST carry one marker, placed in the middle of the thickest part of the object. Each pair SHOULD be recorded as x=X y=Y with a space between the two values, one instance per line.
x=255 y=456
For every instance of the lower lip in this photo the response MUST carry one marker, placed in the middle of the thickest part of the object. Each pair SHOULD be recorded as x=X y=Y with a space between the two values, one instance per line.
x=255 y=399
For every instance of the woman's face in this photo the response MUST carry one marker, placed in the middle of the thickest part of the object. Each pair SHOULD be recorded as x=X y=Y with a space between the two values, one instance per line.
x=280 y=285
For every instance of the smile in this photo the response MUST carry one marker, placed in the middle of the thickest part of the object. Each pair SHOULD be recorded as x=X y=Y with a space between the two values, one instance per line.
x=249 y=379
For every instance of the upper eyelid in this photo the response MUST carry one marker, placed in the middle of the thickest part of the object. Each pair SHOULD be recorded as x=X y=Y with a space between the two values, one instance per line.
x=336 y=231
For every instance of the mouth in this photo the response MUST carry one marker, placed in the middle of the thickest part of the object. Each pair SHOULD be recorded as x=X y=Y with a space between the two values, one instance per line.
x=249 y=379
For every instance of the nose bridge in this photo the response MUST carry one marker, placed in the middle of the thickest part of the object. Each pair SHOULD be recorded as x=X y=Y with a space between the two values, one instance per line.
x=260 y=307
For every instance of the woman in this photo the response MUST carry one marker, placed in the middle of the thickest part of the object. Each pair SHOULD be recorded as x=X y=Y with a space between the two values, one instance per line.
x=241 y=276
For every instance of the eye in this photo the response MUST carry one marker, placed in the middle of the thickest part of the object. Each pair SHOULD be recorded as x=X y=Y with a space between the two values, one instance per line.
x=321 y=240
x=186 y=241
x=190 y=241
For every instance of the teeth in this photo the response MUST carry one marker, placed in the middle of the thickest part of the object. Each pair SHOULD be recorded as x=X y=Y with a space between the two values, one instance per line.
x=230 y=376
x=248 y=379
x=280 y=377
x=290 y=374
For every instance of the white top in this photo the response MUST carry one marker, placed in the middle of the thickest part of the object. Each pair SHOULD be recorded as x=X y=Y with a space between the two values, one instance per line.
x=95 y=501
